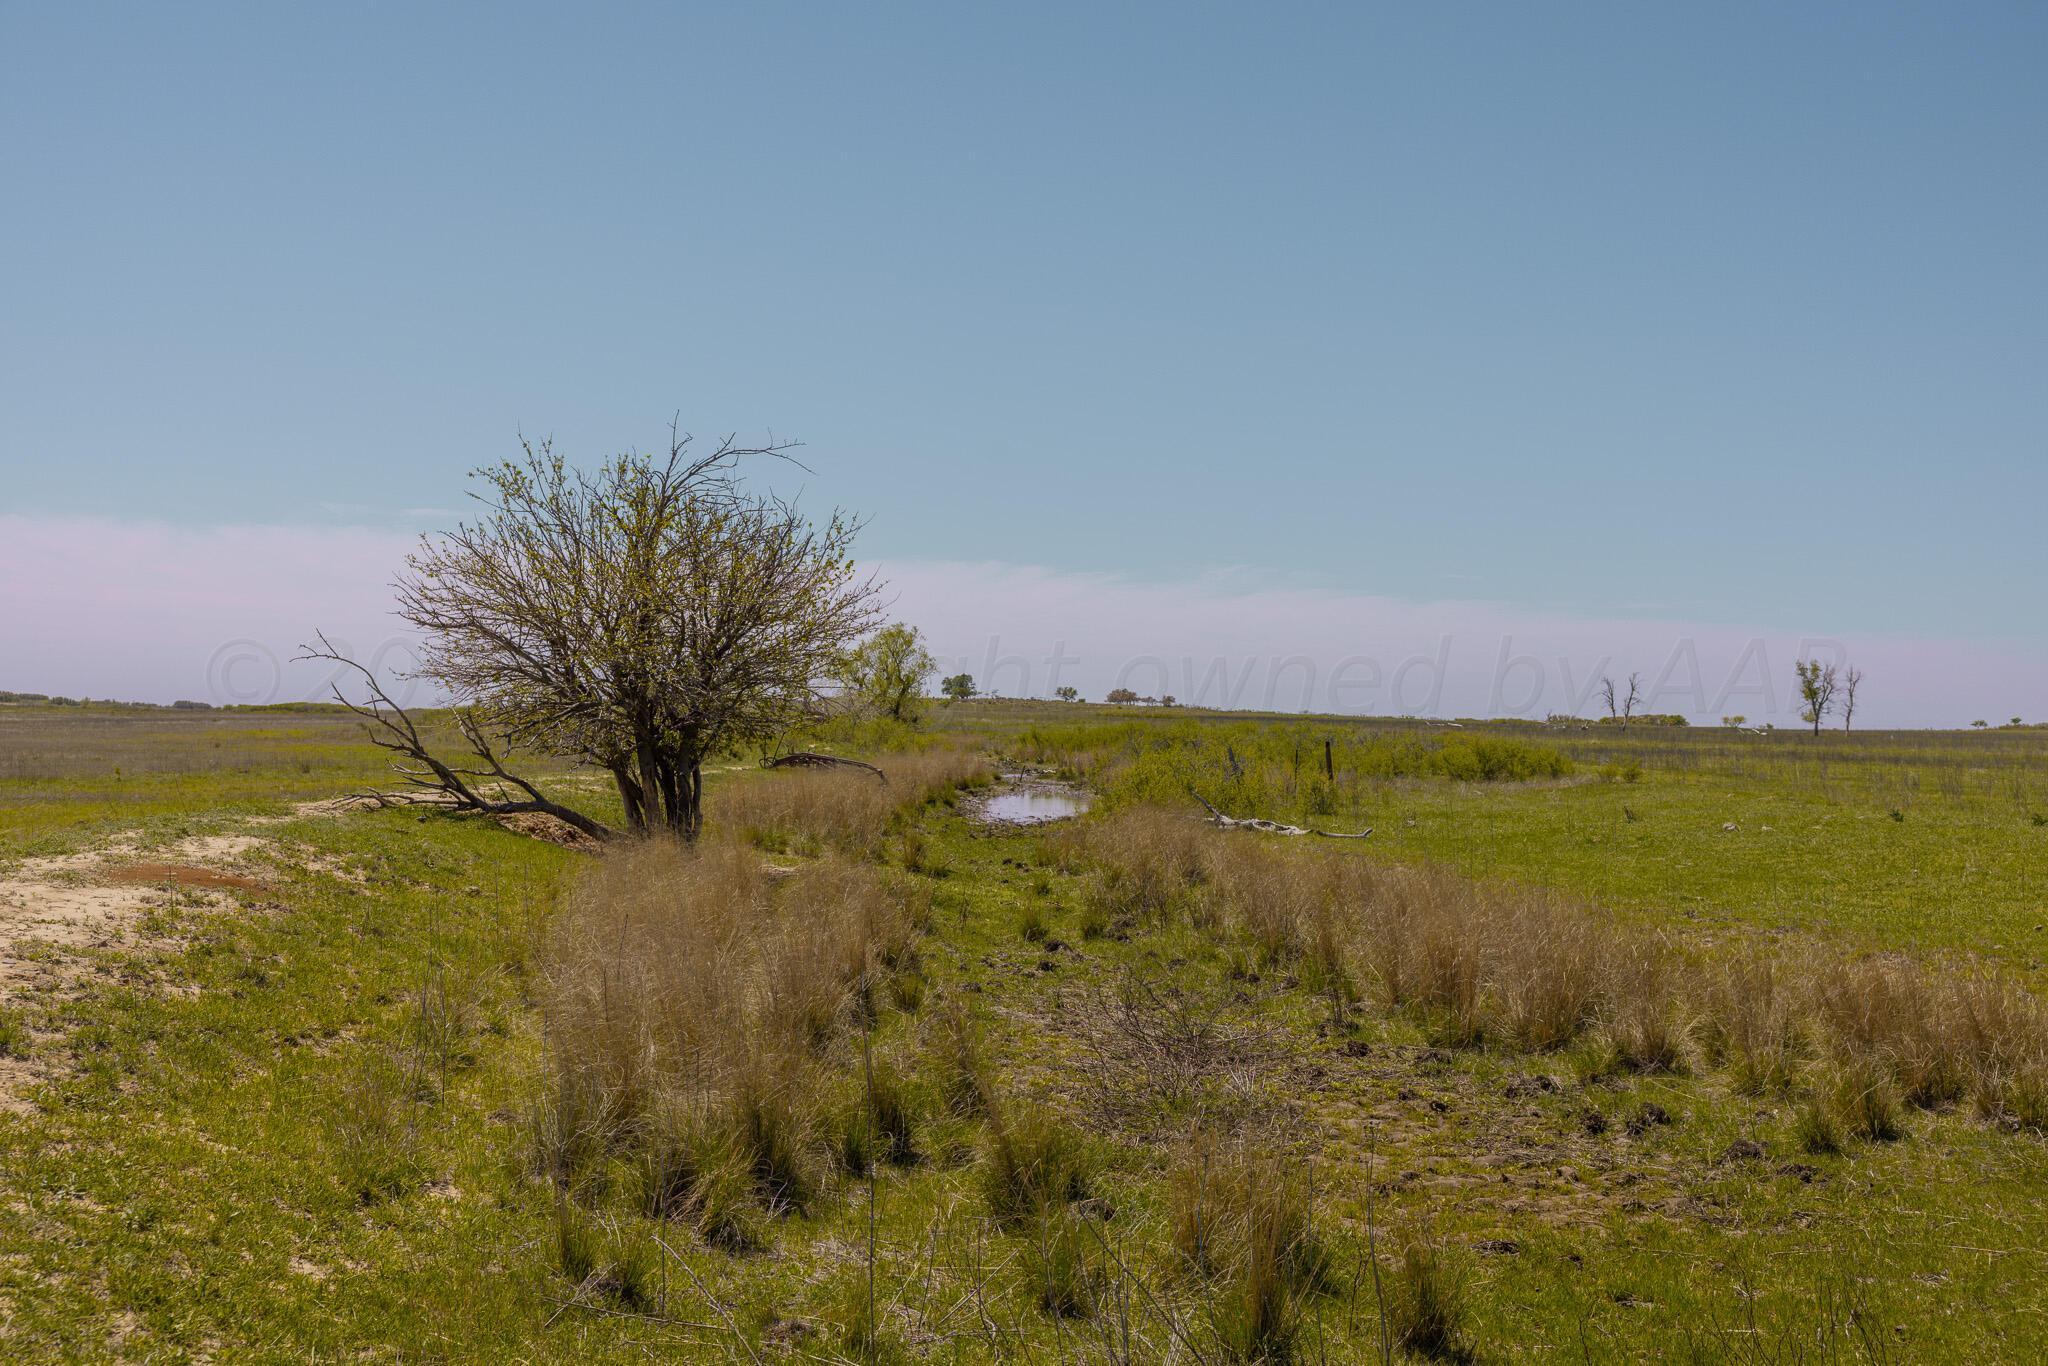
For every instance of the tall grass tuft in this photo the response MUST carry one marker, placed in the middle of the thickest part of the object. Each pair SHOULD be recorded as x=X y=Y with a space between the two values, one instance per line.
x=1547 y=967
x=1473 y=961
x=1033 y=1163
x=808 y=810
x=1064 y=1263
x=1862 y=1098
x=1431 y=1301
x=689 y=1005
x=1241 y=1220
x=1754 y=1022
x=959 y=1061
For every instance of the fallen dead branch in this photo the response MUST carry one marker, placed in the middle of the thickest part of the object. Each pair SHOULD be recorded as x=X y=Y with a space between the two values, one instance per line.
x=1273 y=827
x=435 y=782
x=804 y=758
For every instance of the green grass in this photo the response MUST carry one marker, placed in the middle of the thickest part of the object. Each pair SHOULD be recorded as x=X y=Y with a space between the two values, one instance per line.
x=1917 y=841
x=300 y=1126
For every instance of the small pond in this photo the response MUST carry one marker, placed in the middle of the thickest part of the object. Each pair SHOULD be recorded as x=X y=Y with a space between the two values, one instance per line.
x=1033 y=805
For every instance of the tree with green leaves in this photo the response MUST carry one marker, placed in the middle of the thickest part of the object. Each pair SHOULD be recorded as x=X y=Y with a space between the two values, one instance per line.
x=887 y=671
x=959 y=687
x=641 y=617
x=1067 y=693
x=1817 y=684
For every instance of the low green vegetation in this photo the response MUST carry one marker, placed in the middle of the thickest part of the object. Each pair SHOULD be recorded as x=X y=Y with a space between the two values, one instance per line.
x=1555 y=1064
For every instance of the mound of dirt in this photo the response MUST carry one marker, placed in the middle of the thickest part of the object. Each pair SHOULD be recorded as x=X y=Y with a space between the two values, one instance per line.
x=541 y=826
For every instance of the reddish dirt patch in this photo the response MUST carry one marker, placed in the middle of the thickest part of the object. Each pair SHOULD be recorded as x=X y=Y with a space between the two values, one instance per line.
x=184 y=875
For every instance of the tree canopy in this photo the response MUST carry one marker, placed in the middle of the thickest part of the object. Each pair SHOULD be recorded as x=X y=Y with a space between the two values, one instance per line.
x=887 y=671
x=641 y=616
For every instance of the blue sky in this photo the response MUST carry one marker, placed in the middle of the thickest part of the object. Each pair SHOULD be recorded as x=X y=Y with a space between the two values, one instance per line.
x=1613 y=311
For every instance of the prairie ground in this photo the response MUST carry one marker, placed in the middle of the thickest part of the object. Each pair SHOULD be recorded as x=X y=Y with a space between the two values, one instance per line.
x=1604 y=1046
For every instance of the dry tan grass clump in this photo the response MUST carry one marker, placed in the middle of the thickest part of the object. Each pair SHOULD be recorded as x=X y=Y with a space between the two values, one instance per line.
x=1753 y=1019
x=1938 y=1037
x=689 y=1001
x=810 y=809
x=1647 y=1024
x=1415 y=932
x=1148 y=863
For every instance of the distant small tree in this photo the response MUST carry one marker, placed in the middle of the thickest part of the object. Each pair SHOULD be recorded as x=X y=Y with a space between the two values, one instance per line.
x=2016 y=721
x=1168 y=701
x=1734 y=721
x=1067 y=693
x=1120 y=696
x=887 y=671
x=959 y=687
x=1850 y=680
x=1981 y=725
x=1817 y=683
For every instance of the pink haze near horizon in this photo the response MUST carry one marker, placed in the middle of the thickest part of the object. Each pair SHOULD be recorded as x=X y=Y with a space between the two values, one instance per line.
x=155 y=612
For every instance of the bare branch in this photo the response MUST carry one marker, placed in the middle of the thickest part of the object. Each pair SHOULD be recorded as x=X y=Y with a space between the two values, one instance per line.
x=442 y=784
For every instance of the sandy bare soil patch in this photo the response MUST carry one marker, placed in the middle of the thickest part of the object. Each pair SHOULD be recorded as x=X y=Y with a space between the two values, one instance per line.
x=88 y=899
x=54 y=909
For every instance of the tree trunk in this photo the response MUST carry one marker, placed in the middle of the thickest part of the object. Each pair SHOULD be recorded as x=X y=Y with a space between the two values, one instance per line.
x=630 y=797
x=693 y=799
x=651 y=791
x=672 y=798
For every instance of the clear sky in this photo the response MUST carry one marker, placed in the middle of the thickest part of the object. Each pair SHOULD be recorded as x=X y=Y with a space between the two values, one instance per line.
x=1721 y=315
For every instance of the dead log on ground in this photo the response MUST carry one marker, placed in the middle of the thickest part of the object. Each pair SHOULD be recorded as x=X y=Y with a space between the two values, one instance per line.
x=804 y=758
x=1272 y=827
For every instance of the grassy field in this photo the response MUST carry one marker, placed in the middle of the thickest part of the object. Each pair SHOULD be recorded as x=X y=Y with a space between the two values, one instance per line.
x=872 y=1079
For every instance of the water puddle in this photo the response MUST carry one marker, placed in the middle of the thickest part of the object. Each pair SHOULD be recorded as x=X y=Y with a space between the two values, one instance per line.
x=1030 y=808
x=1026 y=800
